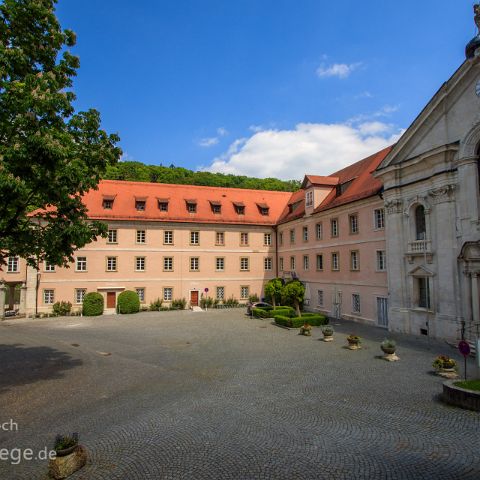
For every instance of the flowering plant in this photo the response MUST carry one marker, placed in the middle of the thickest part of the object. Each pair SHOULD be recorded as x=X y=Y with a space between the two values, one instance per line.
x=444 y=361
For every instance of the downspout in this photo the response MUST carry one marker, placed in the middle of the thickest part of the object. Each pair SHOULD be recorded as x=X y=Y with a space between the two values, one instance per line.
x=275 y=229
x=37 y=287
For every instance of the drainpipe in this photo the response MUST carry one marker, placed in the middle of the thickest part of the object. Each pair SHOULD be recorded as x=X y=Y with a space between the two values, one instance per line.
x=37 y=287
x=275 y=229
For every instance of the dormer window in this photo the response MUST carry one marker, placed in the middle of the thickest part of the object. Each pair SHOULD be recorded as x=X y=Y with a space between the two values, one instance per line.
x=140 y=205
x=107 y=203
x=309 y=199
x=163 y=204
x=216 y=206
x=263 y=208
x=341 y=189
x=239 y=208
x=191 y=206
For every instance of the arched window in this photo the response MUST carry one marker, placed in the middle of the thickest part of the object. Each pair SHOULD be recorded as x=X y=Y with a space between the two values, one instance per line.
x=420 y=225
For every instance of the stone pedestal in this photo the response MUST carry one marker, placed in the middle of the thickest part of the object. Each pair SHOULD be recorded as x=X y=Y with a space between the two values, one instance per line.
x=63 y=467
x=391 y=357
x=2 y=300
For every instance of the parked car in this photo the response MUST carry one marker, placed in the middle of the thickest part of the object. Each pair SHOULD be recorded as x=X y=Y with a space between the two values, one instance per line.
x=251 y=306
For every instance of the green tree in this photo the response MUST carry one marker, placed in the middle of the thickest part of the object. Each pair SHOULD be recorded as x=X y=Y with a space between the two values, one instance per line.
x=294 y=292
x=274 y=289
x=49 y=154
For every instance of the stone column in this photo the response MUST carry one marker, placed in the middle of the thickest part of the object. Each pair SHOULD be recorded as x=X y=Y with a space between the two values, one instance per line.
x=475 y=299
x=23 y=299
x=2 y=300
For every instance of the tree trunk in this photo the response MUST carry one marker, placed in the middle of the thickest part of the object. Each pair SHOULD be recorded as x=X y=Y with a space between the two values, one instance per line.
x=273 y=301
x=297 y=308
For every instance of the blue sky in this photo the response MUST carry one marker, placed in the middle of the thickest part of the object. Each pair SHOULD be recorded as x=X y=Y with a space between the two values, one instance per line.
x=262 y=87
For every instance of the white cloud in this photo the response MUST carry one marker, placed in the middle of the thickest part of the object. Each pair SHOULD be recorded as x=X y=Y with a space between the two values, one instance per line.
x=125 y=157
x=340 y=70
x=314 y=148
x=208 y=142
x=222 y=132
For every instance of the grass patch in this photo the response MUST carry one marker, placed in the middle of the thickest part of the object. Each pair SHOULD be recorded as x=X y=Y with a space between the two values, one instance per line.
x=469 y=385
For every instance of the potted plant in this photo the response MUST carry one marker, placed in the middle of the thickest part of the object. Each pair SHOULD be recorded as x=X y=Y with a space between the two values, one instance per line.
x=353 y=342
x=306 y=330
x=327 y=331
x=65 y=444
x=388 y=346
x=443 y=363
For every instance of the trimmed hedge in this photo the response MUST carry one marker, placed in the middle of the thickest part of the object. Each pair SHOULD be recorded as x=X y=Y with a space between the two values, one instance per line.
x=313 y=319
x=128 y=302
x=92 y=304
x=269 y=312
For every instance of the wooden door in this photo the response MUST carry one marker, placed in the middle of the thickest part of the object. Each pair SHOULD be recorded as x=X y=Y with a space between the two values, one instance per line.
x=194 y=298
x=111 y=297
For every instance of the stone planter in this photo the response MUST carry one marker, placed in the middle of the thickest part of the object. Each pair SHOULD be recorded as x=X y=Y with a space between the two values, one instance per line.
x=449 y=373
x=388 y=350
x=460 y=397
x=327 y=338
x=353 y=344
x=64 y=466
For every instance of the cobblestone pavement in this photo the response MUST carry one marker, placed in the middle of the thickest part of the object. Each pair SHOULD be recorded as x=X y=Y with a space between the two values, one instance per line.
x=217 y=395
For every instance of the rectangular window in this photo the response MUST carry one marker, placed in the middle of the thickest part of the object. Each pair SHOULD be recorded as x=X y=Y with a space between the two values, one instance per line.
x=220 y=238
x=306 y=262
x=49 y=267
x=292 y=236
x=139 y=264
x=244 y=292
x=111 y=264
x=194 y=238
x=423 y=292
x=141 y=236
x=12 y=264
x=219 y=264
x=167 y=294
x=334 y=227
x=141 y=294
x=220 y=293
x=112 y=236
x=107 y=204
x=264 y=210
x=243 y=239
x=191 y=207
x=355 y=303
x=140 y=205
x=335 y=261
x=309 y=199
x=379 y=218
x=354 y=260
x=292 y=263
x=49 y=297
x=267 y=263
x=320 y=262
x=168 y=264
x=81 y=264
x=320 y=298
x=244 y=264
x=163 y=205
x=305 y=234
x=280 y=261
x=353 y=222
x=381 y=260
x=319 y=231
x=280 y=238
x=216 y=208
x=168 y=237
x=79 y=294
x=194 y=264
x=267 y=239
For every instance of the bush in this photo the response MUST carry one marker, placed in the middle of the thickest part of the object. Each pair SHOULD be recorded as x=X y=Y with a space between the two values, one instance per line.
x=253 y=298
x=128 y=302
x=62 y=308
x=92 y=304
x=270 y=312
x=179 y=304
x=231 y=302
x=156 y=305
x=207 y=302
x=313 y=319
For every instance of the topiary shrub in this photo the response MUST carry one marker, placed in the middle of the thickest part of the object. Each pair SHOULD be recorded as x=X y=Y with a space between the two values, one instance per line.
x=62 y=308
x=92 y=304
x=313 y=319
x=269 y=312
x=128 y=302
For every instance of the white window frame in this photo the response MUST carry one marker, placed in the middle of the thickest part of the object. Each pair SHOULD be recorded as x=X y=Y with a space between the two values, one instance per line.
x=381 y=261
x=141 y=296
x=356 y=303
x=195 y=237
x=112 y=264
x=309 y=199
x=335 y=258
x=334 y=230
x=353 y=223
x=379 y=219
x=194 y=264
x=48 y=296
x=306 y=262
x=81 y=264
x=244 y=292
x=220 y=238
x=319 y=260
x=305 y=233
x=267 y=239
x=168 y=264
x=140 y=264
x=320 y=298
x=168 y=237
x=220 y=264
x=268 y=263
x=79 y=295
x=220 y=293
x=319 y=231
x=112 y=235
x=141 y=236
x=167 y=294
x=243 y=239
x=354 y=260
x=13 y=265
x=244 y=264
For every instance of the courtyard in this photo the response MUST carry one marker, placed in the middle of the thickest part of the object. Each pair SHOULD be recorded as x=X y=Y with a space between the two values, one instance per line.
x=217 y=395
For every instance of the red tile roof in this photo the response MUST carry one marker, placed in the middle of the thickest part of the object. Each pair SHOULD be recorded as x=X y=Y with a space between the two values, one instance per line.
x=363 y=185
x=319 y=180
x=125 y=194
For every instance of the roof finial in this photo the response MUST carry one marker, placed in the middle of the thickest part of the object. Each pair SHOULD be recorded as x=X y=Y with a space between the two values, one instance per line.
x=473 y=48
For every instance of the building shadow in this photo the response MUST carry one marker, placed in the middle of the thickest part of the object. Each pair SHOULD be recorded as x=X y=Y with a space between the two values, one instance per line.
x=21 y=365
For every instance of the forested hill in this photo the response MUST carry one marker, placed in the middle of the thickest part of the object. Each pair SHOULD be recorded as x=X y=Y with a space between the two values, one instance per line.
x=139 y=172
